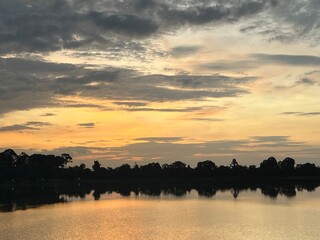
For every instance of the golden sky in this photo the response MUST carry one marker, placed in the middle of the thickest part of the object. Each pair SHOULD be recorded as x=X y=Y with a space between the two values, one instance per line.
x=159 y=80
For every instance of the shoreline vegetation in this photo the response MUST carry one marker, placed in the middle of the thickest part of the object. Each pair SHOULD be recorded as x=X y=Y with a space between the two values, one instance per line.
x=33 y=195
x=38 y=168
x=36 y=180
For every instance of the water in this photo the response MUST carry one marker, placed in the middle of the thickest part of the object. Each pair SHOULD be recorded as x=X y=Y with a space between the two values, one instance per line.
x=226 y=214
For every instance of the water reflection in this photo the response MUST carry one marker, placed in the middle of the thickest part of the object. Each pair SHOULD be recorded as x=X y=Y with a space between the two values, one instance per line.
x=24 y=197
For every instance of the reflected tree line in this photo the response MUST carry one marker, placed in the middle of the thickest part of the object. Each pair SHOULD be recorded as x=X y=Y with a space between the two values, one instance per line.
x=31 y=181
x=22 y=197
x=16 y=168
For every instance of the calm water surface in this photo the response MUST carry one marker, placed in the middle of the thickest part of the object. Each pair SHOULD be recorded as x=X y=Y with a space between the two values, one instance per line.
x=251 y=215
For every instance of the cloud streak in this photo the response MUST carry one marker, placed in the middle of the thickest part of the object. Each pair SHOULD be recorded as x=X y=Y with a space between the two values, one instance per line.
x=40 y=26
x=302 y=114
x=24 y=127
x=33 y=88
x=169 y=149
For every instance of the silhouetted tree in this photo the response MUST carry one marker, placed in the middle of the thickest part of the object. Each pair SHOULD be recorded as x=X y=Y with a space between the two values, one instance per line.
x=307 y=169
x=206 y=165
x=96 y=166
x=151 y=170
x=269 y=164
x=205 y=168
x=287 y=164
x=8 y=158
x=234 y=163
x=177 y=165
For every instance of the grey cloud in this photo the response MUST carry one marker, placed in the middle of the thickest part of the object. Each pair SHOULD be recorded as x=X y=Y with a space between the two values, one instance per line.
x=230 y=65
x=85 y=105
x=305 y=81
x=124 y=23
x=38 y=124
x=52 y=25
x=160 y=139
x=31 y=89
x=257 y=60
x=275 y=142
x=187 y=109
x=212 y=12
x=248 y=29
x=306 y=114
x=48 y=115
x=113 y=26
x=41 y=26
x=310 y=114
x=295 y=60
x=131 y=104
x=17 y=127
x=168 y=149
x=87 y=125
x=72 y=150
x=206 y=119
x=182 y=51
x=35 y=66
x=142 y=5
x=289 y=21
x=23 y=127
x=270 y=138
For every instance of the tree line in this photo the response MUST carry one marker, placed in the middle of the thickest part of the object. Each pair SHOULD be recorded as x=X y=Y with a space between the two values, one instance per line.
x=22 y=197
x=22 y=167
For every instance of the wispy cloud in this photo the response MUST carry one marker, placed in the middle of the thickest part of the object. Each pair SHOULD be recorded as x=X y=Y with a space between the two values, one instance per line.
x=169 y=149
x=24 y=127
x=27 y=90
x=302 y=114
x=16 y=127
x=87 y=125
x=65 y=24
x=48 y=115
x=183 y=51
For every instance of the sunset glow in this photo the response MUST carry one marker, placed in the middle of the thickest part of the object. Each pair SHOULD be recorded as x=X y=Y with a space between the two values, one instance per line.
x=142 y=81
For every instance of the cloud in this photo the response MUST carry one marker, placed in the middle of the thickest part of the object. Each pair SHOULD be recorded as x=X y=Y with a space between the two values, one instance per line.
x=257 y=60
x=57 y=24
x=205 y=119
x=85 y=105
x=302 y=114
x=288 y=21
x=16 y=127
x=270 y=138
x=186 y=109
x=305 y=81
x=131 y=104
x=251 y=150
x=24 y=127
x=35 y=66
x=38 y=124
x=182 y=51
x=160 y=139
x=48 y=115
x=33 y=89
x=209 y=11
x=121 y=26
x=124 y=23
x=87 y=125
x=294 y=60
x=230 y=65
x=42 y=26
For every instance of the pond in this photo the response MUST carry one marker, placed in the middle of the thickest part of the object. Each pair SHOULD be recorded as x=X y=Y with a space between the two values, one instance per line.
x=228 y=213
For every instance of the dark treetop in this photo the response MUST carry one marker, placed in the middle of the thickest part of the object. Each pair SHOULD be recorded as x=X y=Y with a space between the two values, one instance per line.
x=23 y=168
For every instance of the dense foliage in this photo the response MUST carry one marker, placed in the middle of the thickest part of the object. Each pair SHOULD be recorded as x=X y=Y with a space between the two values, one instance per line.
x=18 y=168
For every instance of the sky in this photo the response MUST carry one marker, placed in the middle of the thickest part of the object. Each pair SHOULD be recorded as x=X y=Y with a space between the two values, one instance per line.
x=137 y=81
